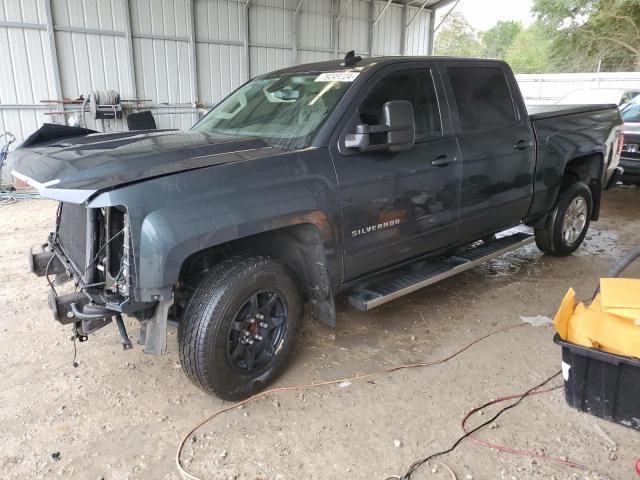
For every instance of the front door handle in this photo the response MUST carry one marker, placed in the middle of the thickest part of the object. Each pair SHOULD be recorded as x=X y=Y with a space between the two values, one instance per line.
x=442 y=160
x=522 y=144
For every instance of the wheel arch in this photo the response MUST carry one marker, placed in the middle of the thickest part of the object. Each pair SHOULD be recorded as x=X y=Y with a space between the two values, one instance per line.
x=302 y=246
x=589 y=170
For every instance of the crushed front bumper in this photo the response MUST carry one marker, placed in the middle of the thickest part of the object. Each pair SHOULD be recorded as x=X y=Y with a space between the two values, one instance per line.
x=86 y=316
x=75 y=308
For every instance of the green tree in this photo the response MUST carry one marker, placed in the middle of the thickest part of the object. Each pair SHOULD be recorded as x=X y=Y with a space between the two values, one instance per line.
x=457 y=38
x=530 y=51
x=497 y=40
x=586 y=33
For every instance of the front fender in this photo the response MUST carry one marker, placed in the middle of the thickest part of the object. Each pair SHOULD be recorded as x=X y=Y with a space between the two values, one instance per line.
x=164 y=246
x=175 y=216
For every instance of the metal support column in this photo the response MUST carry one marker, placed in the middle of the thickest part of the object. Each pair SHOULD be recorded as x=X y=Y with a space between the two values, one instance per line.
x=422 y=7
x=384 y=10
x=132 y=63
x=335 y=26
x=432 y=24
x=372 y=24
x=432 y=31
x=403 y=31
x=193 y=58
x=57 y=84
x=294 y=30
x=247 y=59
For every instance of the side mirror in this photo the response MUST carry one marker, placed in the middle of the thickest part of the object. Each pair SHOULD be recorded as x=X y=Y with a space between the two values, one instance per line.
x=396 y=134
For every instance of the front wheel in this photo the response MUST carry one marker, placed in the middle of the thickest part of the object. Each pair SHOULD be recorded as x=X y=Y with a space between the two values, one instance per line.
x=568 y=223
x=239 y=327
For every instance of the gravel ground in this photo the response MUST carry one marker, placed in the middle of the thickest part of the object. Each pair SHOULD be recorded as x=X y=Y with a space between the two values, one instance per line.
x=122 y=414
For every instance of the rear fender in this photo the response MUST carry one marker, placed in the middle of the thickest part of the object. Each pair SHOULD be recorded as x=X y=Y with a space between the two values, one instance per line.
x=577 y=146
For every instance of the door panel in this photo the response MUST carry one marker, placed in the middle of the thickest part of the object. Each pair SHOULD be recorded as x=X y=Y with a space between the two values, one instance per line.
x=497 y=181
x=398 y=205
x=496 y=144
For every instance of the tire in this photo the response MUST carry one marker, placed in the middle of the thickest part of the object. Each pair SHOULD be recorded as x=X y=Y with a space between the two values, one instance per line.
x=560 y=239
x=221 y=318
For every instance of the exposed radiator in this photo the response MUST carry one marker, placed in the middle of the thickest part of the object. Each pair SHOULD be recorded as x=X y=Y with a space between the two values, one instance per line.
x=72 y=233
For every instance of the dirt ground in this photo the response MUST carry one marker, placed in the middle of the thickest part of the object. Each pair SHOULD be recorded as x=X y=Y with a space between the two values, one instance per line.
x=120 y=415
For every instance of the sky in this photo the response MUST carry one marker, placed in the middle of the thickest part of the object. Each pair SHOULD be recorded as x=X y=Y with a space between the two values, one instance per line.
x=483 y=14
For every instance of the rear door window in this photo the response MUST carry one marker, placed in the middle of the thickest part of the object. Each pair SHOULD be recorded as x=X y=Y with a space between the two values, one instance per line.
x=415 y=86
x=482 y=96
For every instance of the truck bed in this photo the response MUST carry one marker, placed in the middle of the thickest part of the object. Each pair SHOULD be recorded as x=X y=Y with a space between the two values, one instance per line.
x=538 y=112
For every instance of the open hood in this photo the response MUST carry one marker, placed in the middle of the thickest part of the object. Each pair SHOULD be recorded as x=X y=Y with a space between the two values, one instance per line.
x=73 y=169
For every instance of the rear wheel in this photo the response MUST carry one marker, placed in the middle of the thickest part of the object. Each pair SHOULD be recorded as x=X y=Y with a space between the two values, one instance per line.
x=568 y=223
x=239 y=327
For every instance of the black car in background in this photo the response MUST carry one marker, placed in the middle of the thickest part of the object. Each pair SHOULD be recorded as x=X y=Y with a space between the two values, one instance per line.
x=630 y=158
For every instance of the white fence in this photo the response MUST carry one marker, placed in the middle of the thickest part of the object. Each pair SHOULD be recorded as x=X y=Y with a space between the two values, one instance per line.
x=549 y=87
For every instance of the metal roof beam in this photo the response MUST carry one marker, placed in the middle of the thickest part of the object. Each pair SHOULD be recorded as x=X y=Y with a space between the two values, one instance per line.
x=31 y=26
x=440 y=4
x=447 y=15
x=384 y=9
x=300 y=3
x=417 y=13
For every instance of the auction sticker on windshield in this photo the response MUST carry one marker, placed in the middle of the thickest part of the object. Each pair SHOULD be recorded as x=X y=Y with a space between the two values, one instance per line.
x=337 y=77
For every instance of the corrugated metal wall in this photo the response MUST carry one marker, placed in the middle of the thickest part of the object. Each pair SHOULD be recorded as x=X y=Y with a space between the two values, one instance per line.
x=220 y=54
x=176 y=52
x=315 y=27
x=162 y=58
x=386 y=37
x=417 y=34
x=26 y=73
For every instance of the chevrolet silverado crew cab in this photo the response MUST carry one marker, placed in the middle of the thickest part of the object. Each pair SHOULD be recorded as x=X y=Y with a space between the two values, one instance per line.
x=374 y=177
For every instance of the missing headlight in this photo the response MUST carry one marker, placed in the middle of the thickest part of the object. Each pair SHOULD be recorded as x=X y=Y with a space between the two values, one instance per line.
x=116 y=261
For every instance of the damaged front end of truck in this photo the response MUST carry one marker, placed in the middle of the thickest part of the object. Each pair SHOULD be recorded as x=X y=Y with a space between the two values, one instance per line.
x=95 y=246
x=91 y=247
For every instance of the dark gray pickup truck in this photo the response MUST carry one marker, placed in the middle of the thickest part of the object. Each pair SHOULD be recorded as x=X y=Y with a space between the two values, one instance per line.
x=375 y=177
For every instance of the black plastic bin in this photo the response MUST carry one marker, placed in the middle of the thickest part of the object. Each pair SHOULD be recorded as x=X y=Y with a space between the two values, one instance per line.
x=601 y=383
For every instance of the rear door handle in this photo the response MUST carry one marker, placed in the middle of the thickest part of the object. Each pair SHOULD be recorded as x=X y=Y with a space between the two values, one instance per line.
x=522 y=144
x=442 y=160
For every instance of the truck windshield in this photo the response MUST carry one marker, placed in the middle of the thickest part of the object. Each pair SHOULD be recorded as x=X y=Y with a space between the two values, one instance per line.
x=286 y=110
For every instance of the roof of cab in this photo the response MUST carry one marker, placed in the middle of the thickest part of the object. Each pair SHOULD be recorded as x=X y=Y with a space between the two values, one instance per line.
x=371 y=62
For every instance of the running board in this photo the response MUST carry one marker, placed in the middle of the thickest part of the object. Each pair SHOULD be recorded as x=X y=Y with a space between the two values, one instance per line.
x=409 y=280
